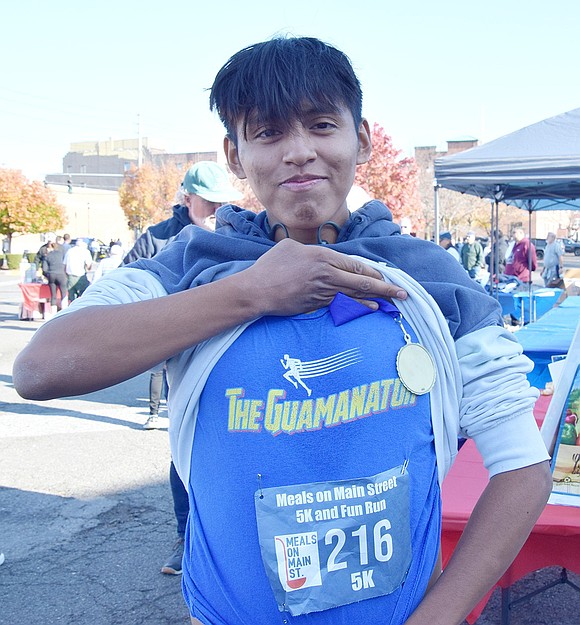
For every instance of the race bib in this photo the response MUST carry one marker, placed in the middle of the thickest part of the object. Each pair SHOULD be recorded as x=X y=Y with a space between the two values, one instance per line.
x=327 y=544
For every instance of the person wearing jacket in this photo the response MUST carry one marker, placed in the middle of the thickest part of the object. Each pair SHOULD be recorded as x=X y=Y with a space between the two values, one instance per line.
x=522 y=260
x=472 y=255
x=205 y=187
x=496 y=258
x=553 y=253
x=54 y=269
x=313 y=450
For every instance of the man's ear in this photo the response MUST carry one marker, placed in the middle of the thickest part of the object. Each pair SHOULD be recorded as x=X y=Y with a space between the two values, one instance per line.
x=364 y=143
x=233 y=158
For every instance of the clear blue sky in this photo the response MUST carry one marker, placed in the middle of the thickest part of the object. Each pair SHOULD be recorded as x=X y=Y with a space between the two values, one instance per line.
x=431 y=71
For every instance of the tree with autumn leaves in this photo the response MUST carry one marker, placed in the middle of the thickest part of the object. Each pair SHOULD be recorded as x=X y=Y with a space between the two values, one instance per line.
x=147 y=194
x=392 y=179
x=27 y=207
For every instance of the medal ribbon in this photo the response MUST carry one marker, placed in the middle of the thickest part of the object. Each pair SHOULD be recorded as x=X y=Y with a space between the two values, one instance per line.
x=415 y=366
x=344 y=309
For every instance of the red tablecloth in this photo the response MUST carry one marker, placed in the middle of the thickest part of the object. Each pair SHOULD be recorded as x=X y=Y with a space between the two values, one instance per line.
x=554 y=541
x=33 y=293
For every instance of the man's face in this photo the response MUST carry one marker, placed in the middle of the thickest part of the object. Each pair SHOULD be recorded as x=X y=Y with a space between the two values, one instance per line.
x=444 y=243
x=200 y=211
x=301 y=174
x=518 y=235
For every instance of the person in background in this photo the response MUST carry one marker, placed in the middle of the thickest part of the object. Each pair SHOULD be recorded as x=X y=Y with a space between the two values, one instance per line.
x=66 y=245
x=472 y=255
x=205 y=187
x=43 y=249
x=284 y=406
x=77 y=261
x=497 y=257
x=553 y=264
x=94 y=249
x=54 y=270
x=522 y=260
x=406 y=226
x=446 y=242
x=109 y=263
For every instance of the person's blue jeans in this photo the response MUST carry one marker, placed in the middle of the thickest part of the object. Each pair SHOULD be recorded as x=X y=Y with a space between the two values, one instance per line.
x=180 y=500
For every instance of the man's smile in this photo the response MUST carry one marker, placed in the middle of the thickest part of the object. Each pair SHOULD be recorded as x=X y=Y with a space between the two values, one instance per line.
x=303 y=182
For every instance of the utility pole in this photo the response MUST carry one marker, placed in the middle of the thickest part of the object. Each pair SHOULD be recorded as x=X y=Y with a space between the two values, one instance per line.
x=139 y=146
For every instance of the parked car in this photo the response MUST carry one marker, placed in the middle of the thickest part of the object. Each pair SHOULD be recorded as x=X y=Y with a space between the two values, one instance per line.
x=571 y=247
x=539 y=244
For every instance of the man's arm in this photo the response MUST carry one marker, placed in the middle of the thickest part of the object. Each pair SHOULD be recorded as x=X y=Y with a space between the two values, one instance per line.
x=499 y=525
x=126 y=339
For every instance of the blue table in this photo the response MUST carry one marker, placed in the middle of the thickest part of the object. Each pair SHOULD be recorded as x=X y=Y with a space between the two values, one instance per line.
x=542 y=299
x=550 y=336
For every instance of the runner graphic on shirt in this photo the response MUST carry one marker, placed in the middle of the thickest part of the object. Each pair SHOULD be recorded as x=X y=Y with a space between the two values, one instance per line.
x=297 y=369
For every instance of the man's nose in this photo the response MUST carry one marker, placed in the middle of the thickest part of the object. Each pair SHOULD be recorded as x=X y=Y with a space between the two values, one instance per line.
x=299 y=148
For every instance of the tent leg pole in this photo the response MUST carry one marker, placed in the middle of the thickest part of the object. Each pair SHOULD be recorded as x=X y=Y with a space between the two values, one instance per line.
x=491 y=254
x=530 y=257
x=497 y=239
x=436 y=212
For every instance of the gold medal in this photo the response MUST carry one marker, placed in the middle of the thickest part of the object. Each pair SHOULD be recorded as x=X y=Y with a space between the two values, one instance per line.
x=415 y=365
x=416 y=368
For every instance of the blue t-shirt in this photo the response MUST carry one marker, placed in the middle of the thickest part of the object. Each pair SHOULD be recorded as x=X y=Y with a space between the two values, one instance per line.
x=300 y=401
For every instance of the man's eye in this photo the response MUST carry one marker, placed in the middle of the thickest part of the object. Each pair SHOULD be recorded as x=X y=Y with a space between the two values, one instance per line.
x=324 y=126
x=267 y=133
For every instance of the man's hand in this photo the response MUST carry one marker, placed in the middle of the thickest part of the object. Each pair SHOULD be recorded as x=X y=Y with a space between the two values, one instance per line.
x=293 y=278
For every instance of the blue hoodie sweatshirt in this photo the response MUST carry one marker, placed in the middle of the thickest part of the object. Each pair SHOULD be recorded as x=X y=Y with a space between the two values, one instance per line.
x=197 y=257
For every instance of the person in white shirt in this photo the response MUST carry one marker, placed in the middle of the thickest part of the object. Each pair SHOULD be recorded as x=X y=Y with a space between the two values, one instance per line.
x=112 y=261
x=553 y=253
x=77 y=262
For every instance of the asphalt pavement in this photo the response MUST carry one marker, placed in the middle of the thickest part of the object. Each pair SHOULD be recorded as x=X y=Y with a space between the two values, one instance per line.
x=86 y=515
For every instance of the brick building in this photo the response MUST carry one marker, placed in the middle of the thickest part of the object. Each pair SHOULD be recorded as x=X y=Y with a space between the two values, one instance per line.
x=103 y=164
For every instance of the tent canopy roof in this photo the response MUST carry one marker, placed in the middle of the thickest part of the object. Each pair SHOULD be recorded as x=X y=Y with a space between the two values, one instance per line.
x=536 y=167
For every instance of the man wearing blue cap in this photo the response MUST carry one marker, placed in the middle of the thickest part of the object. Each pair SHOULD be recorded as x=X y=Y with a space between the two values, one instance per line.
x=205 y=187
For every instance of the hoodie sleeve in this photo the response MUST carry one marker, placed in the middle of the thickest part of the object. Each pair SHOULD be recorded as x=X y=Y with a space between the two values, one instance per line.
x=143 y=248
x=496 y=408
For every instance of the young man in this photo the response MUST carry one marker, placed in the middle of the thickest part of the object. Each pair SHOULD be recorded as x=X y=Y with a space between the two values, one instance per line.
x=322 y=428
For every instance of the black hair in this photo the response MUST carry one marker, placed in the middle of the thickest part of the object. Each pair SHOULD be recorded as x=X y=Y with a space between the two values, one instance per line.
x=274 y=79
